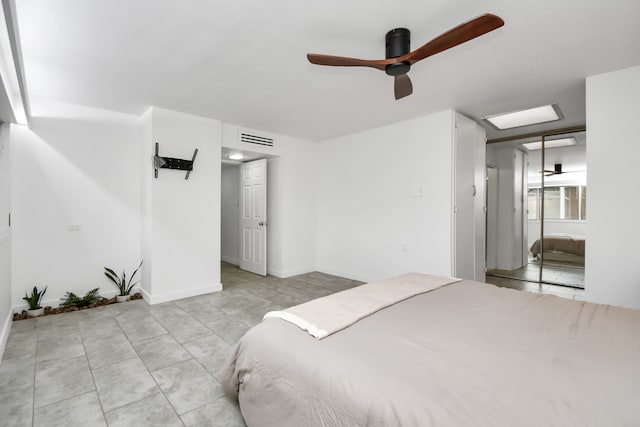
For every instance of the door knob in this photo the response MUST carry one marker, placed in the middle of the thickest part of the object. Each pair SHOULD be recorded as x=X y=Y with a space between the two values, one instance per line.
x=262 y=223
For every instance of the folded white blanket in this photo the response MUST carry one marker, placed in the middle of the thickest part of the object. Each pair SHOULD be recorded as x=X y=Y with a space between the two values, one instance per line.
x=324 y=316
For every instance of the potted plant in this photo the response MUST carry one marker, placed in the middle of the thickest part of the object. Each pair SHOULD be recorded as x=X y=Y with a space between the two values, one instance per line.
x=121 y=283
x=34 y=300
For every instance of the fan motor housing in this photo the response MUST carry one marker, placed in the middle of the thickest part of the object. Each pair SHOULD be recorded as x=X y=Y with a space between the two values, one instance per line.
x=397 y=43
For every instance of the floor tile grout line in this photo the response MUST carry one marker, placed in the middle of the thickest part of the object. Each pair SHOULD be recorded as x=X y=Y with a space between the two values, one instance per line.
x=69 y=398
x=193 y=318
x=93 y=378
x=54 y=360
x=154 y=378
x=122 y=331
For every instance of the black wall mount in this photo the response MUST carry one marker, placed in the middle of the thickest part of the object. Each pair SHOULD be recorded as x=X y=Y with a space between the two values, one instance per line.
x=172 y=163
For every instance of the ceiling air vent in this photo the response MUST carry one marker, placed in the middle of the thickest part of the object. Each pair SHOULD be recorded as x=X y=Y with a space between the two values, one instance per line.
x=248 y=138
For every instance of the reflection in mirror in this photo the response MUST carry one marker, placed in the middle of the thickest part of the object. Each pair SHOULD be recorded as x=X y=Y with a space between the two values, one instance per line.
x=565 y=209
x=541 y=209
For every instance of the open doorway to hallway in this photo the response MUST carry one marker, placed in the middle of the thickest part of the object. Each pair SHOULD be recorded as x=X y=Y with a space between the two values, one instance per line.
x=243 y=214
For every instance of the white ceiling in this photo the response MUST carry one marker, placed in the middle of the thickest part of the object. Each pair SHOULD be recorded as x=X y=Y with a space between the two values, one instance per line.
x=243 y=62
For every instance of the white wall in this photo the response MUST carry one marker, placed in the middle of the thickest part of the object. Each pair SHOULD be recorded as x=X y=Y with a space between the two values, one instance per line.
x=229 y=214
x=292 y=212
x=291 y=172
x=74 y=171
x=181 y=218
x=368 y=225
x=5 y=238
x=611 y=266
x=91 y=170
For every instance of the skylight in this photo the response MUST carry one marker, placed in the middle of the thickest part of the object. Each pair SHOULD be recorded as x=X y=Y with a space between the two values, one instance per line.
x=532 y=116
x=553 y=143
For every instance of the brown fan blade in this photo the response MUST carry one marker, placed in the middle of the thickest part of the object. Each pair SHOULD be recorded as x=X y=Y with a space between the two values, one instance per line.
x=341 y=61
x=402 y=86
x=458 y=35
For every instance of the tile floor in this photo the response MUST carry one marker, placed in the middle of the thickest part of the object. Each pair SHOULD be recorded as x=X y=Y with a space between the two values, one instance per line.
x=133 y=364
x=522 y=285
x=569 y=275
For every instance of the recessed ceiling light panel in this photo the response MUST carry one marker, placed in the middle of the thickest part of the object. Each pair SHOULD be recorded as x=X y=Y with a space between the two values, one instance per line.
x=236 y=156
x=553 y=143
x=532 y=116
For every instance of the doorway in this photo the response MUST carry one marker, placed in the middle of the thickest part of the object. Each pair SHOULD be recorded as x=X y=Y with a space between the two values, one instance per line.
x=536 y=209
x=243 y=221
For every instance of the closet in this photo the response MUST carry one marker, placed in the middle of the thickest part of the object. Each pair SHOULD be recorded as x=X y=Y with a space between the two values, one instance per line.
x=536 y=201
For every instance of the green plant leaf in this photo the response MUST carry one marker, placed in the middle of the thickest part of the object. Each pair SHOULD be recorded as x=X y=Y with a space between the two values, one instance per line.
x=114 y=278
x=112 y=274
x=131 y=285
x=134 y=274
x=34 y=299
x=111 y=278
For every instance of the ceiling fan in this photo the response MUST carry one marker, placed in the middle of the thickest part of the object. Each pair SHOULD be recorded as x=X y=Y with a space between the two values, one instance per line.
x=557 y=170
x=398 y=57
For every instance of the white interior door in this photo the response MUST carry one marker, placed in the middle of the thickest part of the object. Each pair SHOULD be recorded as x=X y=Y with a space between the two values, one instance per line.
x=469 y=209
x=465 y=192
x=253 y=216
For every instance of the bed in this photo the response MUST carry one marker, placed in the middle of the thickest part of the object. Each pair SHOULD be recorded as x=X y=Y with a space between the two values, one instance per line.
x=463 y=353
x=560 y=247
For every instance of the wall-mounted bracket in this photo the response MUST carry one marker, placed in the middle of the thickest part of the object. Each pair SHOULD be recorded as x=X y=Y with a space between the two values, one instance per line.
x=172 y=163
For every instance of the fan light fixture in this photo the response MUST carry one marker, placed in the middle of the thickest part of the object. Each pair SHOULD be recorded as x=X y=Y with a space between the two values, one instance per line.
x=236 y=156
x=532 y=116
x=398 y=57
x=554 y=143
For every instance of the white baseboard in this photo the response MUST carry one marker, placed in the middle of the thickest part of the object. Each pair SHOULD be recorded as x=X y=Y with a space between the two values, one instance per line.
x=233 y=261
x=288 y=273
x=4 y=334
x=182 y=293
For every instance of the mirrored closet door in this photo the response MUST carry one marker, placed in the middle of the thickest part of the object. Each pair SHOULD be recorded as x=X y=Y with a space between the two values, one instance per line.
x=537 y=209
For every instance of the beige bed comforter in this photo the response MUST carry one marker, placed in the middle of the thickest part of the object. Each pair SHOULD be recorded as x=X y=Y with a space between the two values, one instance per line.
x=465 y=354
x=324 y=316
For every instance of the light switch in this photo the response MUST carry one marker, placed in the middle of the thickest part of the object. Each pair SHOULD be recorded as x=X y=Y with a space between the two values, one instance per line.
x=416 y=191
x=74 y=227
